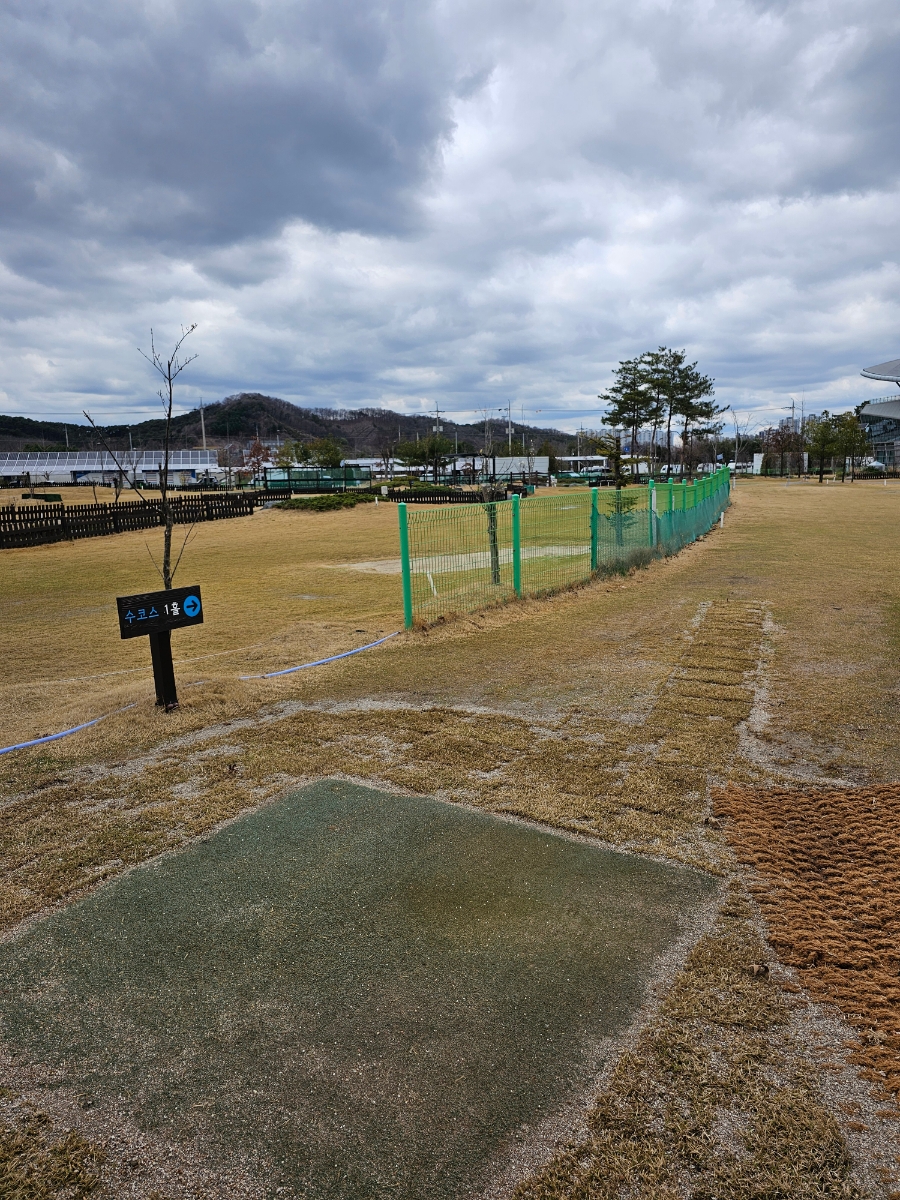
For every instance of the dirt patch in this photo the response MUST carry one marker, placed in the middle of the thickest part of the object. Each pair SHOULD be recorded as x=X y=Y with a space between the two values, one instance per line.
x=828 y=863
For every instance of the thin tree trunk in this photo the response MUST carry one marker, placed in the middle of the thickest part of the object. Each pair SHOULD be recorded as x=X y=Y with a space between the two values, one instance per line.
x=168 y=517
x=491 y=510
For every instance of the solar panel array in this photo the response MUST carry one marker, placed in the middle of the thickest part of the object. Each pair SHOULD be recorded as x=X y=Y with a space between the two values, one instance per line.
x=102 y=460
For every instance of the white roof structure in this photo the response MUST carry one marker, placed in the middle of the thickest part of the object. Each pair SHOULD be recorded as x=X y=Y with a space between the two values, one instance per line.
x=882 y=410
x=889 y=372
x=38 y=463
x=76 y=466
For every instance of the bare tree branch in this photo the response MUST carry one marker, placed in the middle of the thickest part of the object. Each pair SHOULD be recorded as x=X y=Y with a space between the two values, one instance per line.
x=109 y=450
x=153 y=560
x=169 y=369
x=181 y=551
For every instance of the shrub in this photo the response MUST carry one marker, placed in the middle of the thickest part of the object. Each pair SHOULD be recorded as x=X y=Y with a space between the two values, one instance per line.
x=328 y=503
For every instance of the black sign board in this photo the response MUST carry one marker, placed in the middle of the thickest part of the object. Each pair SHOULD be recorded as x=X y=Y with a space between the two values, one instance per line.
x=153 y=612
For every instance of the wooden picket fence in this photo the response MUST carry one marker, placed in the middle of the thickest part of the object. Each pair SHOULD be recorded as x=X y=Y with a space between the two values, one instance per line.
x=37 y=524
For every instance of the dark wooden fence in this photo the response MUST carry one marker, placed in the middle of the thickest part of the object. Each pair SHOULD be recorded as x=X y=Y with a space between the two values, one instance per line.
x=423 y=496
x=36 y=524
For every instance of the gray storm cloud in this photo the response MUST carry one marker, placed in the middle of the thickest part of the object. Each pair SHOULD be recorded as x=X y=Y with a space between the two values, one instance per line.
x=204 y=123
x=366 y=203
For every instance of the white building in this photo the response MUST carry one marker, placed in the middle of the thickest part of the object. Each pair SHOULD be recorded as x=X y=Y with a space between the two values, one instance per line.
x=99 y=466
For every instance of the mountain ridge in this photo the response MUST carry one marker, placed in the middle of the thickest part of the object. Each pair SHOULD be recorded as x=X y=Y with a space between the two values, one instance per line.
x=239 y=419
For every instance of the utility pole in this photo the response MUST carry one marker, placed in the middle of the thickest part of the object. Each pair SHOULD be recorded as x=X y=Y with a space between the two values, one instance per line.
x=802 y=430
x=793 y=435
x=509 y=425
x=202 y=423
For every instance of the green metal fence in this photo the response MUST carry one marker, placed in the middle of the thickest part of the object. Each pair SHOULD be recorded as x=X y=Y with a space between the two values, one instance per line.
x=460 y=558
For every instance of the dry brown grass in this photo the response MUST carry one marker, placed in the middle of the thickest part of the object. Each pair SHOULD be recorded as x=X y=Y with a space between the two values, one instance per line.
x=36 y=1164
x=270 y=602
x=611 y=710
x=70 y=495
x=67 y=826
x=714 y=1101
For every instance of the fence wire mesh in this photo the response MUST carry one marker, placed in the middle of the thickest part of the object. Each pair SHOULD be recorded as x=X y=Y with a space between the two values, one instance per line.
x=465 y=557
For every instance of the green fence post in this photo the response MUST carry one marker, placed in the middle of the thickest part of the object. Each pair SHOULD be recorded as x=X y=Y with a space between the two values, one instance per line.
x=684 y=495
x=651 y=509
x=516 y=547
x=595 y=529
x=405 y=567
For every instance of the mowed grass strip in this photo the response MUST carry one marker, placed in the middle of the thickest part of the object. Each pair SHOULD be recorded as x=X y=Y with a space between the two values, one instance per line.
x=828 y=864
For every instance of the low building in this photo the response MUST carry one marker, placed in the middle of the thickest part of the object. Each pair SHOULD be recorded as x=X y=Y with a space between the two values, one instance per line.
x=99 y=466
x=881 y=419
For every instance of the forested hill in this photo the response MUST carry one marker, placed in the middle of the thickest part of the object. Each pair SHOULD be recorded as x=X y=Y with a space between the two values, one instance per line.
x=239 y=419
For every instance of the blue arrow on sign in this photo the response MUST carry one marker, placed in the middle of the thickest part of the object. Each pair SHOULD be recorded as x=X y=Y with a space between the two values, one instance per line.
x=191 y=605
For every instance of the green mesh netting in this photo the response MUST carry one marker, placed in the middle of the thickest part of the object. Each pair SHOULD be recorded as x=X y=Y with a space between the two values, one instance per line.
x=460 y=558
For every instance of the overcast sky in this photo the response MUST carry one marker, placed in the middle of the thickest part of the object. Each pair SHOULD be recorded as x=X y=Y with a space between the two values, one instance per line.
x=404 y=202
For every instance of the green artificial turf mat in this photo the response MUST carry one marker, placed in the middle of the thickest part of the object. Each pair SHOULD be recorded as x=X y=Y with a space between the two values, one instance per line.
x=367 y=995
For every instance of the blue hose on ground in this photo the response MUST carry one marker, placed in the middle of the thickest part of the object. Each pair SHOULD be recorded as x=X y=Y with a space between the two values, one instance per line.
x=319 y=662
x=53 y=737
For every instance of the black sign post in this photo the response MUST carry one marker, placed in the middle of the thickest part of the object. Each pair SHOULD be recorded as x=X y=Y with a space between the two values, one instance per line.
x=156 y=614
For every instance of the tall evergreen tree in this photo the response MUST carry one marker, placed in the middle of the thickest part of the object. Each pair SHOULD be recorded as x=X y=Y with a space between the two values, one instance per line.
x=653 y=364
x=630 y=400
x=691 y=401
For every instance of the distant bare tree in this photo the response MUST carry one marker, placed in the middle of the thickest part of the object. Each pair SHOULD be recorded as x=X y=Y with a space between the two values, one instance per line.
x=742 y=432
x=257 y=457
x=168 y=369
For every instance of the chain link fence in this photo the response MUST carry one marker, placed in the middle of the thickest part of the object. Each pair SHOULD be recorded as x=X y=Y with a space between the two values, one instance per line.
x=465 y=557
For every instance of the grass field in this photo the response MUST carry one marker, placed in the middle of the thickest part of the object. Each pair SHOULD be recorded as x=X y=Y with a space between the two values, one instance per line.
x=764 y=657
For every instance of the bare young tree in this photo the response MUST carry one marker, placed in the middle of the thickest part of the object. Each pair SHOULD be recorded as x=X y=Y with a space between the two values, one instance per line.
x=742 y=435
x=169 y=369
